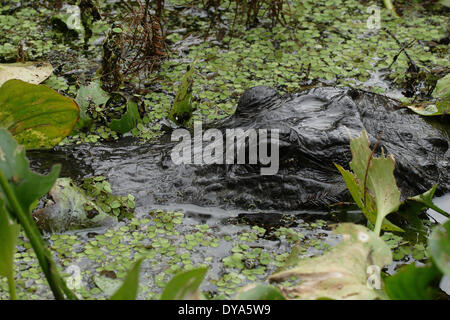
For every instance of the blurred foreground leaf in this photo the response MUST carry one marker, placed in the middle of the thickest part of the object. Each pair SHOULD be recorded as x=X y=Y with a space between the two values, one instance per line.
x=439 y=247
x=185 y=285
x=8 y=236
x=129 y=288
x=413 y=283
x=343 y=272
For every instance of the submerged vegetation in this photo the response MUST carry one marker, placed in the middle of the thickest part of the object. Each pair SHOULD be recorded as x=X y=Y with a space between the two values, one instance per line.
x=143 y=67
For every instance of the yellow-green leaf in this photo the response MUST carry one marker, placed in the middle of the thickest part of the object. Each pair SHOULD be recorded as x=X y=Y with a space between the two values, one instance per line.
x=37 y=116
x=442 y=89
x=440 y=107
x=372 y=185
x=369 y=208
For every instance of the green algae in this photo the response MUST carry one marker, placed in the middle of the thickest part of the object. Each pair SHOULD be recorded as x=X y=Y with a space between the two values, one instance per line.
x=168 y=244
x=323 y=43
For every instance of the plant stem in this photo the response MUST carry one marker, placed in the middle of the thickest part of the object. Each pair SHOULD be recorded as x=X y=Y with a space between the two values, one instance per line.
x=56 y=283
x=378 y=224
x=12 y=287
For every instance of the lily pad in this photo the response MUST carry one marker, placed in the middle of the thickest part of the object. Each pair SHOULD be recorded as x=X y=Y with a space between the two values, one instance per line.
x=37 y=116
x=342 y=273
x=70 y=210
x=31 y=72
x=107 y=285
x=92 y=93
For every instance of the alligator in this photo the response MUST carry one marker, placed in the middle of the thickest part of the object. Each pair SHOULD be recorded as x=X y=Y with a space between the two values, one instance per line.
x=314 y=129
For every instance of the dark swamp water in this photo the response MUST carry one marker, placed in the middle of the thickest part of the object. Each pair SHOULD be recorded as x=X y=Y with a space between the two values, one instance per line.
x=314 y=133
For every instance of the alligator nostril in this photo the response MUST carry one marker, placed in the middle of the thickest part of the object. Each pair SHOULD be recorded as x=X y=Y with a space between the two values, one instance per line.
x=353 y=93
x=441 y=144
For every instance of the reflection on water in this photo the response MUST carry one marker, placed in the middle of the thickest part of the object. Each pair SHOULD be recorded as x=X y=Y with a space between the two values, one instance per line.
x=442 y=202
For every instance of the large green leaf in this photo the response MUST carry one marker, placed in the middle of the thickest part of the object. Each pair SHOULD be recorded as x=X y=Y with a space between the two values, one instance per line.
x=184 y=285
x=28 y=186
x=356 y=190
x=342 y=273
x=439 y=247
x=372 y=183
x=8 y=236
x=31 y=72
x=37 y=116
x=129 y=288
x=413 y=283
x=260 y=292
